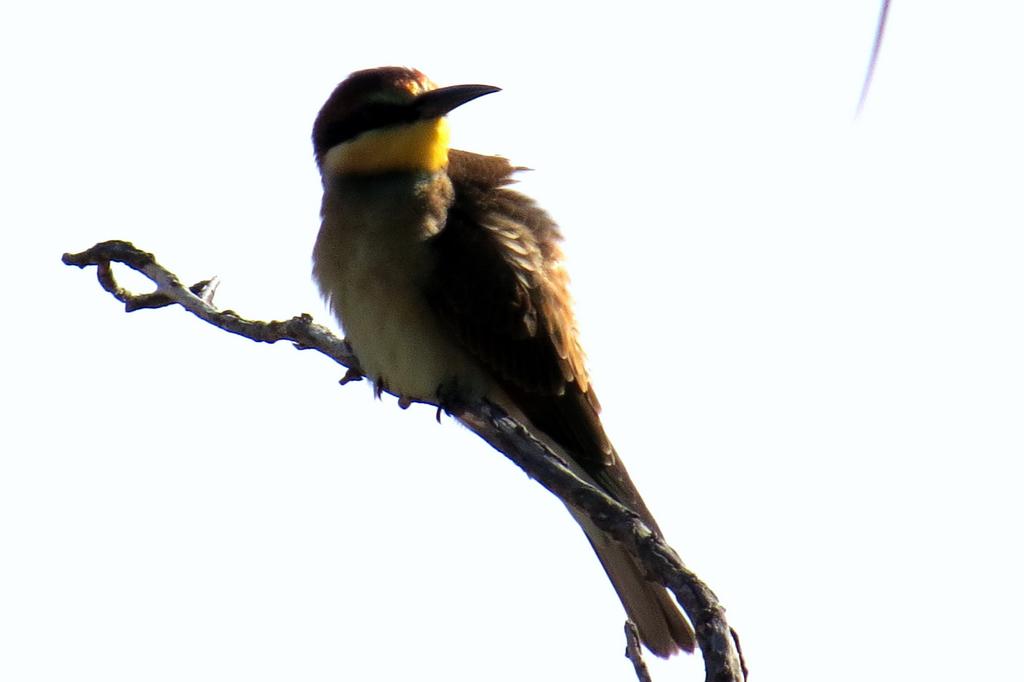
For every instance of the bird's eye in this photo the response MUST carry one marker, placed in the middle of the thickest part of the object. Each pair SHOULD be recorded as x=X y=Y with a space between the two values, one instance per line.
x=368 y=117
x=362 y=119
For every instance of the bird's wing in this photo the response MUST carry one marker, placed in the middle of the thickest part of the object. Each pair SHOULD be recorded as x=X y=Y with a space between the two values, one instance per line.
x=501 y=289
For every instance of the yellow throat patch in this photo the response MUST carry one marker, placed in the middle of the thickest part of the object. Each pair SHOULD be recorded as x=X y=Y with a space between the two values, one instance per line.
x=419 y=146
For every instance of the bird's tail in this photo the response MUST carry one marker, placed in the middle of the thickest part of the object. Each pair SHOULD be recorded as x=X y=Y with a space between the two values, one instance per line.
x=663 y=628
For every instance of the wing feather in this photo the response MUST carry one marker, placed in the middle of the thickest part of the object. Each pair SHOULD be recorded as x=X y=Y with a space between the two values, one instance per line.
x=502 y=291
x=501 y=287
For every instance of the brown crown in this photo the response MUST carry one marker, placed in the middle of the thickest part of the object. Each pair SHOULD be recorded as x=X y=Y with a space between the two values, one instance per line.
x=363 y=100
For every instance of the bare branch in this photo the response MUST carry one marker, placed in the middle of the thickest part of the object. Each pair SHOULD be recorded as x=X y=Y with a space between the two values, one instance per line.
x=300 y=330
x=634 y=654
x=718 y=642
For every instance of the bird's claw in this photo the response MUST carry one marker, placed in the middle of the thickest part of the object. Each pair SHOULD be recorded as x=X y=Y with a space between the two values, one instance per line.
x=351 y=375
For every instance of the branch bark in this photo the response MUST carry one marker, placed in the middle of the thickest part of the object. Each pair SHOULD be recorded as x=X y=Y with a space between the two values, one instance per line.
x=719 y=644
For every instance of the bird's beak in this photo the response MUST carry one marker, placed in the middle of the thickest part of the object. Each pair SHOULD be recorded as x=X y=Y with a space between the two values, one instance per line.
x=436 y=103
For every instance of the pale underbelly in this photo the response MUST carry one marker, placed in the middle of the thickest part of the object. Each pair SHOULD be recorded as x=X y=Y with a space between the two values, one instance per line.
x=399 y=341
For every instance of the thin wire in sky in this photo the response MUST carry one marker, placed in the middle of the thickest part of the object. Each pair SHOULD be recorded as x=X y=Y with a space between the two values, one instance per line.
x=879 y=32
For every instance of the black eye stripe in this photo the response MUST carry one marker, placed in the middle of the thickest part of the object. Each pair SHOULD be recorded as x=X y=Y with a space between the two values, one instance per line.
x=367 y=117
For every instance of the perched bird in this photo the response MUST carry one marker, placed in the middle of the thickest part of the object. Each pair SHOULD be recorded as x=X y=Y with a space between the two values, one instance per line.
x=449 y=285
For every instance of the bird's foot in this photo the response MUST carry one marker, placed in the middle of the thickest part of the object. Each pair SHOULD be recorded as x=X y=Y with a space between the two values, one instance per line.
x=351 y=375
x=449 y=396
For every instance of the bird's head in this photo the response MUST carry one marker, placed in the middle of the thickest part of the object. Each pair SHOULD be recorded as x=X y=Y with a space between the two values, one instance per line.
x=387 y=119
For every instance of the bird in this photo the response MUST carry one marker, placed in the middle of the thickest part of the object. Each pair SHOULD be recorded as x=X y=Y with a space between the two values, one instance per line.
x=451 y=286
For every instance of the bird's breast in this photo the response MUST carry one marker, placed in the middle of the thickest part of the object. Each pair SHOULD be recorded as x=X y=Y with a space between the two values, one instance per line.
x=373 y=263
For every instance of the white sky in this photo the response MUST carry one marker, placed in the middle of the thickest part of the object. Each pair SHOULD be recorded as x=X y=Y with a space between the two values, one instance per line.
x=806 y=333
